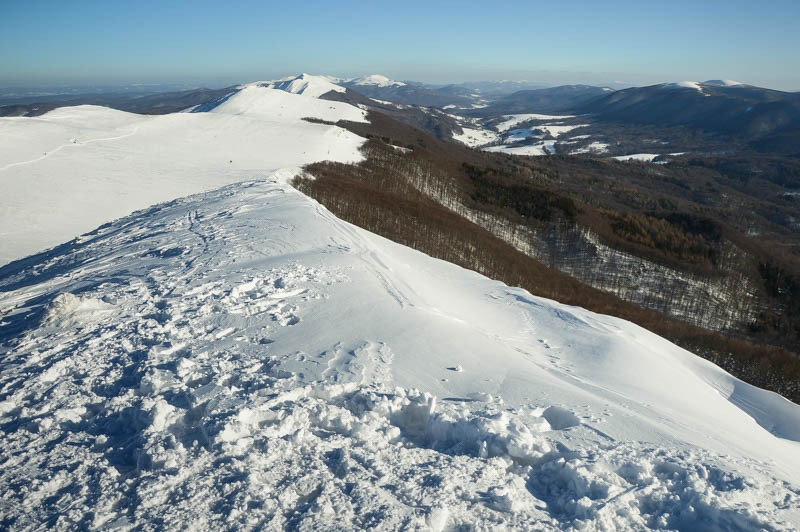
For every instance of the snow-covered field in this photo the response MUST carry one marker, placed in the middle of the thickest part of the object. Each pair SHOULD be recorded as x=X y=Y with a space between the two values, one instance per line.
x=519 y=135
x=506 y=136
x=545 y=147
x=72 y=169
x=645 y=157
x=243 y=359
x=592 y=147
x=556 y=130
x=476 y=137
x=511 y=121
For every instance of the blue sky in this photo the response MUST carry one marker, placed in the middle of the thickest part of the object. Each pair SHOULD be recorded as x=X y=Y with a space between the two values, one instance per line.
x=216 y=43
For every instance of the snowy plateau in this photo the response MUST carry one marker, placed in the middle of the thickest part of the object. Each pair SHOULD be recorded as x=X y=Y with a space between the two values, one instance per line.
x=233 y=356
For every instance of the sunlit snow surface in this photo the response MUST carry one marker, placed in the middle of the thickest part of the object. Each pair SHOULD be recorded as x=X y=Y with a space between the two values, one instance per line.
x=545 y=147
x=74 y=168
x=377 y=80
x=243 y=359
x=684 y=85
x=512 y=121
x=306 y=84
x=645 y=157
x=723 y=83
x=508 y=138
x=476 y=137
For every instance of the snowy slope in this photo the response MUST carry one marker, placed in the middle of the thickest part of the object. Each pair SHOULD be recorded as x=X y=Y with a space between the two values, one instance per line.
x=646 y=157
x=306 y=84
x=723 y=83
x=511 y=121
x=74 y=168
x=545 y=147
x=473 y=137
x=377 y=80
x=515 y=140
x=242 y=358
x=694 y=85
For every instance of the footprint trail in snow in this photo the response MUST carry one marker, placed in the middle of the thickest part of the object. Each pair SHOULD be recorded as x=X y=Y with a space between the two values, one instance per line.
x=243 y=359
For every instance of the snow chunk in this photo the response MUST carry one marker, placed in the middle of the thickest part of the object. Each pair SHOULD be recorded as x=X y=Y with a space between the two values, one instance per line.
x=68 y=309
x=560 y=418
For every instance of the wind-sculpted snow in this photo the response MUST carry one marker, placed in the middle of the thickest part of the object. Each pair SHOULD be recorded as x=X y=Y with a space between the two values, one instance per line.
x=74 y=168
x=243 y=359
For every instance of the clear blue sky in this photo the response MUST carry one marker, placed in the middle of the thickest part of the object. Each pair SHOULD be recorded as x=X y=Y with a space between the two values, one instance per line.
x=219 y=42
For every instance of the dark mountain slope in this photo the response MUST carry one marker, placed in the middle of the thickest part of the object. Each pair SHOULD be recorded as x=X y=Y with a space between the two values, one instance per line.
x=768 y=119
x=151 y=104
x=412 y=94
x=551 y=100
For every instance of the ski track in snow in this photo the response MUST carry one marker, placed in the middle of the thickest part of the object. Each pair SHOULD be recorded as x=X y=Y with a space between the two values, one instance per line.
x=152 y=376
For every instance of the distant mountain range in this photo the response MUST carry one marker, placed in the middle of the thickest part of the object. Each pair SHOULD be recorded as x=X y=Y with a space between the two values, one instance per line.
x=565 y=98
x=382 y=88
x=766 y=118
x=156 y=103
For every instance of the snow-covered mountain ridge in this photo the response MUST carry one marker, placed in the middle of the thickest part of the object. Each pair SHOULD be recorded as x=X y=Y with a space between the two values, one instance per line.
x=306 y=84
x=378 y=80
x=317 y=85
x=244 y=358
x=74 y=168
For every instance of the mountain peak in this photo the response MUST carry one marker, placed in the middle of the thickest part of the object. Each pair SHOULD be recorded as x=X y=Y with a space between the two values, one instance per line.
x=698 y=85
x=378 y=80
x=723 y=83
x=306 y=84
x=695 y=85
